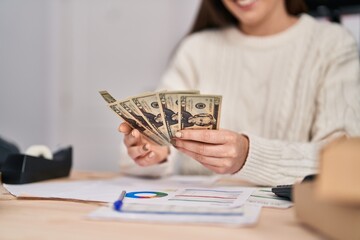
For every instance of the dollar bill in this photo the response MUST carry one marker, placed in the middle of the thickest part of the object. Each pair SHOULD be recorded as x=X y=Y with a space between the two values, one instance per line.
x=131 y=108
x=127 y=117
x=169 y=106
x=107 y=97
x=123 y=114
x=200 y=111
x=158 y=116
x=148 y=105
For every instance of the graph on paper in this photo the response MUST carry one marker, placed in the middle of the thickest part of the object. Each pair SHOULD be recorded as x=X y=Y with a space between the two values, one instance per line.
x=212 y=197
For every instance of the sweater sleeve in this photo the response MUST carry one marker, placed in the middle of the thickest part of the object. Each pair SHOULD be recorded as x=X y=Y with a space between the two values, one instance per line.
x=271 y=162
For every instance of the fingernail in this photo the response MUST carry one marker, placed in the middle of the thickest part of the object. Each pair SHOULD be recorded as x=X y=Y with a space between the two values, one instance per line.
x=133 y=133
x=178 y=134
x=151 y=155
x=146 y=147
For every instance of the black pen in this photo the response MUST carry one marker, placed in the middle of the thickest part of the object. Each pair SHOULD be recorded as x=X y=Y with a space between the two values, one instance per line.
x=118 y=203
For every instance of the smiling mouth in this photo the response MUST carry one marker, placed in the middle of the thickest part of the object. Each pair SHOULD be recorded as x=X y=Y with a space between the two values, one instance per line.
x=244 y=3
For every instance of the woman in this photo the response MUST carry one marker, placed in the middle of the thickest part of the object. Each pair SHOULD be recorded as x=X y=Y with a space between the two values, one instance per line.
x=289 y=85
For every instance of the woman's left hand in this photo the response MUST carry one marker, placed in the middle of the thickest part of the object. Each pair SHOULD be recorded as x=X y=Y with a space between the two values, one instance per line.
x=221 y=151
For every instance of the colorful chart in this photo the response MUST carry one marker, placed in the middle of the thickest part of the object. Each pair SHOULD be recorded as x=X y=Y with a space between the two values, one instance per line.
x=145 y=194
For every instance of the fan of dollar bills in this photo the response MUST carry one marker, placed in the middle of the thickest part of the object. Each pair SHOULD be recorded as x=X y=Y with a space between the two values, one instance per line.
x=159 y=115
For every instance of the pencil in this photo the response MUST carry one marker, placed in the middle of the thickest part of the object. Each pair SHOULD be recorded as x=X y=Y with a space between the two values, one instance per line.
x=118 y=203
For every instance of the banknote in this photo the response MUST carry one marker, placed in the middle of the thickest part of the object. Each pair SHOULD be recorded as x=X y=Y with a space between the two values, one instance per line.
x=200 y=111
x=107 y=97
x=149 y=107
x=131 y=108
x=122 y=113
x=127 y=117
x=159 y=115
x=169 y=106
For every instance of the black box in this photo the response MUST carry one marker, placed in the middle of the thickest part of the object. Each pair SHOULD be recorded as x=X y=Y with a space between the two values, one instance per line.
x=21 y=168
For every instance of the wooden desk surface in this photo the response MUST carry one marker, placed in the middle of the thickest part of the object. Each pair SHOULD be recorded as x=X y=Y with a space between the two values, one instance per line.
x=53 y=219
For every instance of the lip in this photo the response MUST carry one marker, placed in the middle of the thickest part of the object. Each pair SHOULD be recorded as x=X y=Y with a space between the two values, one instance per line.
x=245 y=7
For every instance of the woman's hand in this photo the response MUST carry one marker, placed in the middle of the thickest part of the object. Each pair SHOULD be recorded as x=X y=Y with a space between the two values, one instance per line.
x=143 y=151
x=221 y=151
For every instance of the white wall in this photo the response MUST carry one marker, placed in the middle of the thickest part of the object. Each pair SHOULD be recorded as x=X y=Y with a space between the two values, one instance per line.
x=121 y=46
x=56 y=54
x=24 y=71
x=352 y=22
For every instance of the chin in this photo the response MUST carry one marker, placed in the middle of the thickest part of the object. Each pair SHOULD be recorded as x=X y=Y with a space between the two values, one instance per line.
x=250 y=20
x=246 y=11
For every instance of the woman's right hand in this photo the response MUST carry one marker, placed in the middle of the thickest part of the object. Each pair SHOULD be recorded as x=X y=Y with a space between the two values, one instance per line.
x=142 y=150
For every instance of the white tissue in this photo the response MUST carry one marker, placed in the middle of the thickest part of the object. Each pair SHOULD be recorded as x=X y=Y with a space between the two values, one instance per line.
x=39 y=151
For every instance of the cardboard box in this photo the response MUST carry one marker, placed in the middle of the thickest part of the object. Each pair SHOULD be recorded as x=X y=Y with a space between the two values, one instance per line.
x=339 y=178
x=332 y=219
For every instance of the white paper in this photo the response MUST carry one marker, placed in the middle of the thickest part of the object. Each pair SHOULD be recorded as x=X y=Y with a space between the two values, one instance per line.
x=225 y=197
x=104 y=190
x=178 y=209
x=108 y=190
x=266 y=198
x=249 y=216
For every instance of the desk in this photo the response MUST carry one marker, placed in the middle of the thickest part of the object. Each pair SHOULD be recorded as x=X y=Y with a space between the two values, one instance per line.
x=53 y=219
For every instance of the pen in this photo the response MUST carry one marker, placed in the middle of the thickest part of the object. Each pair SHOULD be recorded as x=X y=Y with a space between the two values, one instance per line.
x=118 y=203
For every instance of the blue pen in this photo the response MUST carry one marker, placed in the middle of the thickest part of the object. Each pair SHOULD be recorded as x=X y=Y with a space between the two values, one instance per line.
x=118 y=203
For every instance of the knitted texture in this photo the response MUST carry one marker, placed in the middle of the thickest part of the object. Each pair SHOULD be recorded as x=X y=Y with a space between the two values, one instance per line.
x=289 y=93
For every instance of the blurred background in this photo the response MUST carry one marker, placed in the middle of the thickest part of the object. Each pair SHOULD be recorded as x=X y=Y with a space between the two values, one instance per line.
x=55 y=55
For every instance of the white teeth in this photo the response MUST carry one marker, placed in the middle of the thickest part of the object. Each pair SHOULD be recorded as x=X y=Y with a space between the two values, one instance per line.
x=244 y=3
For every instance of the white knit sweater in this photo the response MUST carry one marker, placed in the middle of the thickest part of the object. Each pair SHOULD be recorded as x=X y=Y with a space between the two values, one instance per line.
x=287 y=92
